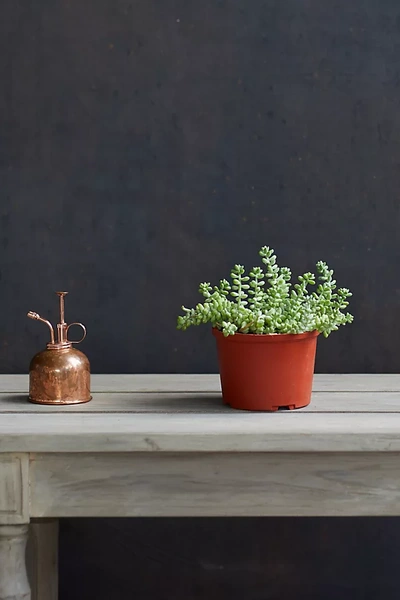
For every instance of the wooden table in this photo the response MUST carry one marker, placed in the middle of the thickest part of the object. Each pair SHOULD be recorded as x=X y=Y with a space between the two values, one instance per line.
x=165 y=445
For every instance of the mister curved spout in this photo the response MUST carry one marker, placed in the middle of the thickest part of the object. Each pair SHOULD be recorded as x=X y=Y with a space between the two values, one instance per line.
x=36 y=317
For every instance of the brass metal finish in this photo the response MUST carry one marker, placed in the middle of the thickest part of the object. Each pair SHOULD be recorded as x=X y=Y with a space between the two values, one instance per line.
x=60 y=374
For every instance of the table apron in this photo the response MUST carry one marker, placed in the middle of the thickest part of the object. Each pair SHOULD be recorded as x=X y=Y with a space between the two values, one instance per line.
x=214 y=484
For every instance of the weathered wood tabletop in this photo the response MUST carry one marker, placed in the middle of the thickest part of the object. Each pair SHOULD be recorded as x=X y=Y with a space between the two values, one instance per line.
x=184 y=413
x=166 y=445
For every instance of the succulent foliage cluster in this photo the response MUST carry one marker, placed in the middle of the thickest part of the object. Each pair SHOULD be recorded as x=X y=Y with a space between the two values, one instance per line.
x=264 y=301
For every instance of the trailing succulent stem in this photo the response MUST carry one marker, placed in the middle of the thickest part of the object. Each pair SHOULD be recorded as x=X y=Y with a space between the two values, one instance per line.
x=264 y=301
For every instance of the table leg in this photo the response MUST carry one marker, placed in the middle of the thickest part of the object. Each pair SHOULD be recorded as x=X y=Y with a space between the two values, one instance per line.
x=14 y=583
x=42 y=559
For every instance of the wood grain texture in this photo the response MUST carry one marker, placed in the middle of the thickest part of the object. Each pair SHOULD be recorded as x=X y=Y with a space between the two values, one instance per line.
x=42 y=559
x=120 y=485
x=203 y=402
x=14 y=584
x=197 y=421
x=157 y=433
x=210 y=383
x=14 y=489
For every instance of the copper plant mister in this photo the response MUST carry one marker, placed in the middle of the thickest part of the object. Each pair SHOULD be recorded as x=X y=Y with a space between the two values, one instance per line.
x=60 y=374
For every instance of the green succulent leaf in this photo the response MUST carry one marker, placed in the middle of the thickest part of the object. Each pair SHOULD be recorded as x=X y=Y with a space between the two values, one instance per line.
x=265 y=301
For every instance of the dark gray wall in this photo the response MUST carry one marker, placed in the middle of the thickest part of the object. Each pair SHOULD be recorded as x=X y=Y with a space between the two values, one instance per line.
x=148 y=145
x=231 y=559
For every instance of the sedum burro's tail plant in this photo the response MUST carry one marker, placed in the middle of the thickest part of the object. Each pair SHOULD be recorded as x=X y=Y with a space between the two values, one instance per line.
x=264 y=301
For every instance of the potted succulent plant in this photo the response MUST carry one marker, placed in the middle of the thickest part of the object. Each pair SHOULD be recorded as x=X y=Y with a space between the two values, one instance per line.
x=266 y=331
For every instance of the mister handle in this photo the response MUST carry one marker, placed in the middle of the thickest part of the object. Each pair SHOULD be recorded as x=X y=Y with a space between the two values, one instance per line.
x=83 y=336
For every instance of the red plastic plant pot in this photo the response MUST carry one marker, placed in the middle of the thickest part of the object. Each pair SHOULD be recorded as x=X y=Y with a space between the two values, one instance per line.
x=266 y=372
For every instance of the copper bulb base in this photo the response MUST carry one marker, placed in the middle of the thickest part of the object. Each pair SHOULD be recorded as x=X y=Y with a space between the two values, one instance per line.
x=58 y=402
x=59 y=377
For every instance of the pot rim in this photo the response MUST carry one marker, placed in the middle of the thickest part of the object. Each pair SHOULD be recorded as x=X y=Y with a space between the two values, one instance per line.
x=264 y=338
